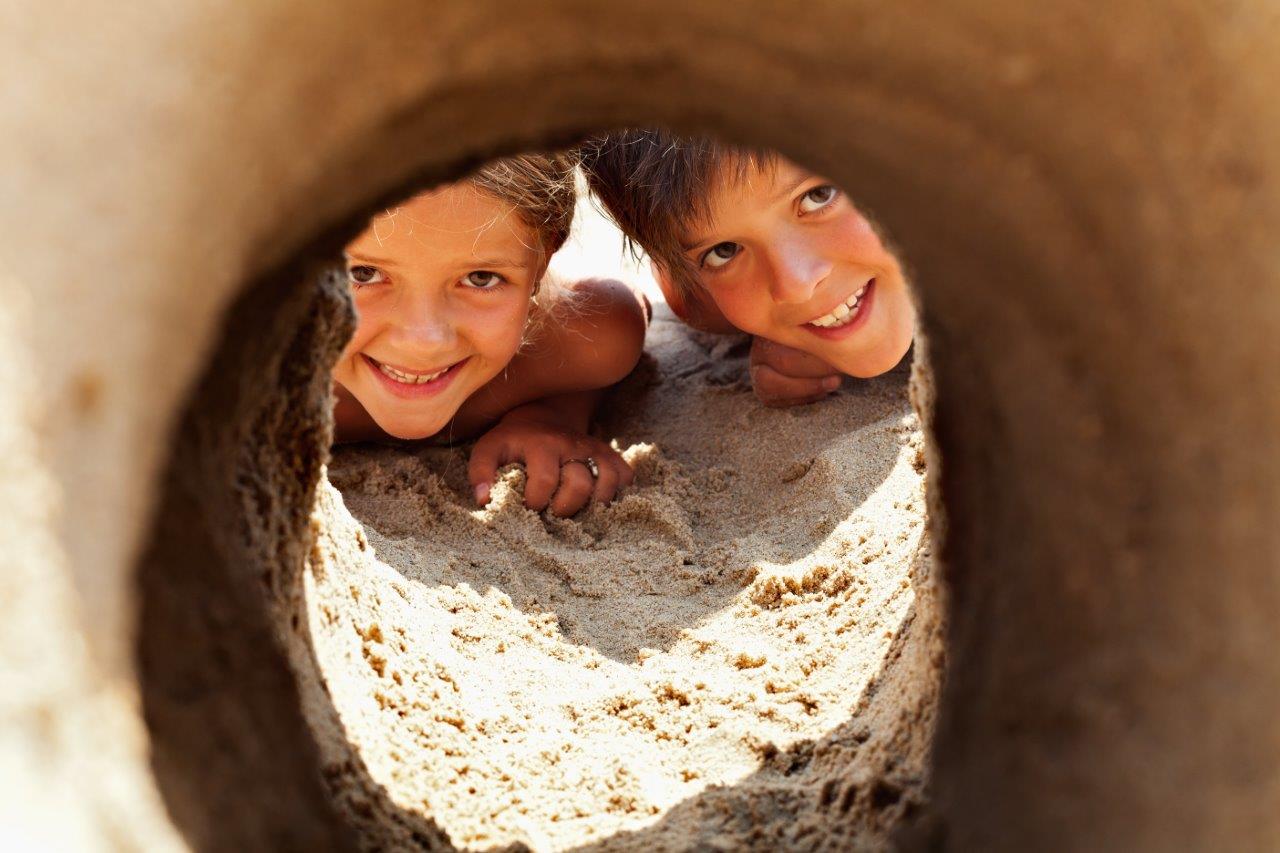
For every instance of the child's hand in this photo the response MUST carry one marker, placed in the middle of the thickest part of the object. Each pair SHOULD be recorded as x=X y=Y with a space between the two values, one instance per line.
x=783 y=376
x=556 y=465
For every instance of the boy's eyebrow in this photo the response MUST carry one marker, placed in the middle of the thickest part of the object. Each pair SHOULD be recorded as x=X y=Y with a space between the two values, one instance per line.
x=689 y=246
x=784 y=193
x=790 y=188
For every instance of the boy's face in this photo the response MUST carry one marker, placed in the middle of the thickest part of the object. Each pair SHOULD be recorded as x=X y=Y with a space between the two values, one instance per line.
x=788 y=258
x=442 y=287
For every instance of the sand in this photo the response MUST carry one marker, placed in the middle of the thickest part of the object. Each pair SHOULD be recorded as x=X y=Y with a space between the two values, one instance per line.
x=743 y=652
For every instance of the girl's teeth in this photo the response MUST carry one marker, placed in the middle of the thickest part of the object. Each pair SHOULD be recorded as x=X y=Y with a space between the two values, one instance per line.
x=409 y=378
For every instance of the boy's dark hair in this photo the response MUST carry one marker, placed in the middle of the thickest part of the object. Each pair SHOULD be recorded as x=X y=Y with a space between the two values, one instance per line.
x=541 y=189
x=657 y=187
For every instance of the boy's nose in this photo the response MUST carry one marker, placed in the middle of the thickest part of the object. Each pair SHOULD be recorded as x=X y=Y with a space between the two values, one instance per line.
x=797 y=272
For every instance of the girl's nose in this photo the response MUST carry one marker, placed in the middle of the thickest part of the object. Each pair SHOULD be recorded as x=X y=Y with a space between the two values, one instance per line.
x=797 y=271
x=425 y=327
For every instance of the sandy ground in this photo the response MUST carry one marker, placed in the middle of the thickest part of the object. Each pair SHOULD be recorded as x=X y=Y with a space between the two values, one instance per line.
x=742 y=652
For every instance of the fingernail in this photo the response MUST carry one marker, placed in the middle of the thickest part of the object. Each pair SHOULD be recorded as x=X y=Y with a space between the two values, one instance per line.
x=482 y=494
x=831 y=383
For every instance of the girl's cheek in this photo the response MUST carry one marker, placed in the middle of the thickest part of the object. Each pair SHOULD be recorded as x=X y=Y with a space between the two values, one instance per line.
x=365 y=324
x=369 y=321
x=498 y=333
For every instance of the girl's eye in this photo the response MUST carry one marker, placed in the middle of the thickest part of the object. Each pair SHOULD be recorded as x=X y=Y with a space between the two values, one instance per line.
x=818 y=198
x=720 y=254
x=483 y=279
x=362 y=275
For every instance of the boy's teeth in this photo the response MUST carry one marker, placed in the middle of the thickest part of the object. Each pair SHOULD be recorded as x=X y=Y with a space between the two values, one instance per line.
x=409 y=378
x=842 y=313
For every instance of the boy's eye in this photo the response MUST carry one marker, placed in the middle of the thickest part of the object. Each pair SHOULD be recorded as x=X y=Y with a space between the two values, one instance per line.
x=361 y=275
x=483 y=279
x=720 y=254
x=818 y=198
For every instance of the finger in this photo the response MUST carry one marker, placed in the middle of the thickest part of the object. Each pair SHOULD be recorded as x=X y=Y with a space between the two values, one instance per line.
x=774 y=389
x=612 y=458
x=542 y=476
x=606 y=485
x=789 y=361
x=626 y=474
x=482 y=469
x=576 y=483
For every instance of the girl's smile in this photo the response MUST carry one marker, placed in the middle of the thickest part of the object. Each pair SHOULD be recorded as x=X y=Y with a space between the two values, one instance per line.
x=411 y=384
x=442 y=287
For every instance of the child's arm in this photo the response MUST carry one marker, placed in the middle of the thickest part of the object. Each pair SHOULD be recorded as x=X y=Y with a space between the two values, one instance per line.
x=585 y=343
x=785 y=376
x=550 y=438
x=780 y=375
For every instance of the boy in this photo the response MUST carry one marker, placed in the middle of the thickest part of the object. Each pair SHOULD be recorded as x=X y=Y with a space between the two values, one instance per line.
x=749 y=241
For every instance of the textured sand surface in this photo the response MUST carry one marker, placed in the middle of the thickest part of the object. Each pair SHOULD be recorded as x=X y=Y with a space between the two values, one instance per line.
x=742 y=652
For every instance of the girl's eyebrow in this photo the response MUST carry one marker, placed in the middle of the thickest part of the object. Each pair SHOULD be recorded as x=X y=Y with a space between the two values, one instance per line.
x=500 y=263
x=372 y=260
x=478 y=263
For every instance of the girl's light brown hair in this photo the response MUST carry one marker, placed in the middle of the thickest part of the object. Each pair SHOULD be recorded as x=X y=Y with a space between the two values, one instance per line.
x=657 y=188
x=540 y=188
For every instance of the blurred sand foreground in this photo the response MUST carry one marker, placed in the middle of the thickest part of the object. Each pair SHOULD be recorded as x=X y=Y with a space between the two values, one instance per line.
x=1090 y=205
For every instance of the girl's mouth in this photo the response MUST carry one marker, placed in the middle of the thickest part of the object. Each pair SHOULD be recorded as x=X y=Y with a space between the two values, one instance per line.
x=846 y=317
x=406 y=383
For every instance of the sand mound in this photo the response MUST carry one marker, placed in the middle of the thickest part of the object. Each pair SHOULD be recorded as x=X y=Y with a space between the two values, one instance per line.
x=742 y=652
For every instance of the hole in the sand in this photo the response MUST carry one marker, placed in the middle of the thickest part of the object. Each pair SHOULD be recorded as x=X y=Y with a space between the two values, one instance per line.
x=750 y=626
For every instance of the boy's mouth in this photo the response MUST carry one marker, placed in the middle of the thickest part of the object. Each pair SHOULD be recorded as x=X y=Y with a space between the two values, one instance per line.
x=844 y=314
x=409 y=383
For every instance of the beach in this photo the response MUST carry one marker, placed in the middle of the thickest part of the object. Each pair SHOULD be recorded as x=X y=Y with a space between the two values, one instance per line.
x=743 y=651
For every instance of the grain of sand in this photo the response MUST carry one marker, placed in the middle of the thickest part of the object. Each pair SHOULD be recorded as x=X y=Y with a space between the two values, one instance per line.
x=741 y=653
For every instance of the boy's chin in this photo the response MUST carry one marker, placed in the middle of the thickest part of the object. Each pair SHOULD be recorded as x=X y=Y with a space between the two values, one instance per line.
x=868 y=364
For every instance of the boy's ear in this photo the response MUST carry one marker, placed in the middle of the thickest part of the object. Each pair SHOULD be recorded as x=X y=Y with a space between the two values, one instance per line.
x=669 y=292
x=695 y=309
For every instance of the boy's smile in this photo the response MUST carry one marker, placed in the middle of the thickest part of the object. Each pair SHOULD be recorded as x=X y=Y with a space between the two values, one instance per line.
x=846 y=317
x=785 y=256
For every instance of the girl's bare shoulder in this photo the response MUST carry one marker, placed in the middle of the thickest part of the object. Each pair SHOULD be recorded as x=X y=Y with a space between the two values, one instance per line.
x=594 y=328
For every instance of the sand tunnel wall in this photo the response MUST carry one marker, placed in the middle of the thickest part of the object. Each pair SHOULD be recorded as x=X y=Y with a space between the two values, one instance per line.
x=1089 y=204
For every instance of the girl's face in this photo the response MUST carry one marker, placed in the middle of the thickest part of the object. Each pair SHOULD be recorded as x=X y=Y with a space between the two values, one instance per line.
x=442 y=287
x=787 y=257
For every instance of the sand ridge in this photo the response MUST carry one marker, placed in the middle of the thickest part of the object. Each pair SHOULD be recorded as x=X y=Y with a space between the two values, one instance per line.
x=742 y=652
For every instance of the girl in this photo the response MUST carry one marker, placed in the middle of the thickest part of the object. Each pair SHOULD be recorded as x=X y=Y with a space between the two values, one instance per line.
x=458 y=335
